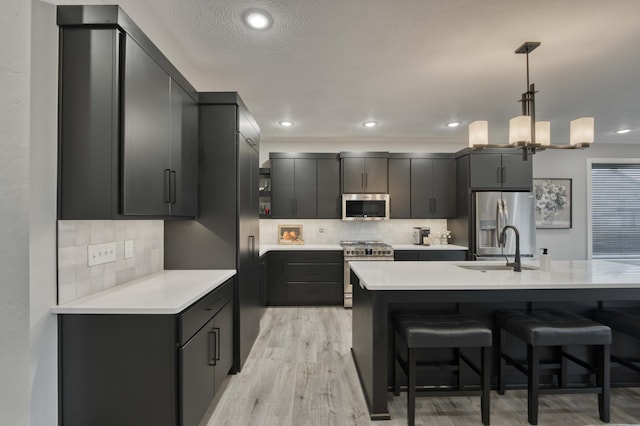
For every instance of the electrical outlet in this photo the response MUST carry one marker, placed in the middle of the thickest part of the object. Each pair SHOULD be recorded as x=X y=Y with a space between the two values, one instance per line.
x=97 y=254
x=128 y=249
x=321 y=230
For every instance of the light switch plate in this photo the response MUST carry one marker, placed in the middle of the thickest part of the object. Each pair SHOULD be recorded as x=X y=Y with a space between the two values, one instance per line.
x=97 y=254
x=128 y=249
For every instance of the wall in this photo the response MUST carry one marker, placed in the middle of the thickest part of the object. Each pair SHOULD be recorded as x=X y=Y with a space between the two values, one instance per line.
x=15 y=25
x=397 y=231
x=42 y=214
x=571 y=244
x=76 y=279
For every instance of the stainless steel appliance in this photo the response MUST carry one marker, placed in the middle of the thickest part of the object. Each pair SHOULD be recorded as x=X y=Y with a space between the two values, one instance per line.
x=361 y=250
x=495 y=210
x=365 y=206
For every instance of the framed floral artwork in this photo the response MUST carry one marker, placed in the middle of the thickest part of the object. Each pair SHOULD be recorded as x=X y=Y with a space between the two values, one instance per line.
x=552 y=203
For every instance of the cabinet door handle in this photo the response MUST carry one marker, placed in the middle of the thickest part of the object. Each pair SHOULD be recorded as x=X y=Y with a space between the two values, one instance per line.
x=173 y=186
x=366 y=180
x=252 y=245
x=217 y=354
x=504 y=174
x=213 y=346
x=167 y=185
x=362 y=180
x=498 y=174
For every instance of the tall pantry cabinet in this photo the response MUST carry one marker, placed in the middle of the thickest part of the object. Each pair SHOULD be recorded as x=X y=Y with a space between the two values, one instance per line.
x=226 y=233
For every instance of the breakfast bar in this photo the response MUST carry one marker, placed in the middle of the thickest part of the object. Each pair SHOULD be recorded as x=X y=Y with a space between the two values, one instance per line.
x=478 y=289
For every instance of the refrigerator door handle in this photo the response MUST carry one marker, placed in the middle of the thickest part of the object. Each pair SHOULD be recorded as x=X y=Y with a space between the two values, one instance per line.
x=505 y=210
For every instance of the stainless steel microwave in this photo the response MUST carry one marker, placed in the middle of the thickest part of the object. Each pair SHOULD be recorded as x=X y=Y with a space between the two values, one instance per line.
x=365 y=206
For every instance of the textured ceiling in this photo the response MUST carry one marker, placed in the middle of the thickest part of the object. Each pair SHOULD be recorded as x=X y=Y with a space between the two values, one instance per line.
x=411 y=65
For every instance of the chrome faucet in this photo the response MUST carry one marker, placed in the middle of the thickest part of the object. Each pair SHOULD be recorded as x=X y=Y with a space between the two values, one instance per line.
x=517 y=265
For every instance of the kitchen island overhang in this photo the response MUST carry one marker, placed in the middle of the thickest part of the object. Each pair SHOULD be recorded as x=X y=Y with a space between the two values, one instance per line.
x=380 y=288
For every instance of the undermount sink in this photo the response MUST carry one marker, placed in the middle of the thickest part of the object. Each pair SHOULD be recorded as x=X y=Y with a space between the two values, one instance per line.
x=494 y=267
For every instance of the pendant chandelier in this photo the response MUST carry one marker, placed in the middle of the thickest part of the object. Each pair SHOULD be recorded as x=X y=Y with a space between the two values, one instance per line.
x=525 y=132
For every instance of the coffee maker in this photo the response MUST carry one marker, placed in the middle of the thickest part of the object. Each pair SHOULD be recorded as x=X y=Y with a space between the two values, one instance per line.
x=421 y=235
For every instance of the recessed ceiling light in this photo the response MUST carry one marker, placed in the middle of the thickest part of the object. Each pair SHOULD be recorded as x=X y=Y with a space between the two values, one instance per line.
x=454 y=124
x=257 y=19
x=286 y=123
x=623 y=131
x=370 y=124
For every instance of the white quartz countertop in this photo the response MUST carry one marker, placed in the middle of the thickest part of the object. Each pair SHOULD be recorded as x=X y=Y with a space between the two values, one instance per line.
x=264 y=248
x=298 y=247
x=377 y=275
x=165 y=292
x=429 y=247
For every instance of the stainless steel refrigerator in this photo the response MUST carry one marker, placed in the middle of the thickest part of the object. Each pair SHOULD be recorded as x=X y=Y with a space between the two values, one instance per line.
x=495 y=210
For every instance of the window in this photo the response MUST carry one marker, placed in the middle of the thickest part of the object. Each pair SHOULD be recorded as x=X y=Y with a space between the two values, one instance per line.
x=615 y=209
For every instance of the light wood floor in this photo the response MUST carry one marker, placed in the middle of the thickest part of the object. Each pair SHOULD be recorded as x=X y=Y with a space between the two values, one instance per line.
x=300 y=372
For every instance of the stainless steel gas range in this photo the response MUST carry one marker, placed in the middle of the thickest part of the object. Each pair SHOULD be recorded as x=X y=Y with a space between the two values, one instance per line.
x=361 y=250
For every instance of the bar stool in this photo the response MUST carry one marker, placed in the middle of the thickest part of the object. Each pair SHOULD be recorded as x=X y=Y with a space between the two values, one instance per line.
x=442 y=330
x=546 y=328
x=626 y=322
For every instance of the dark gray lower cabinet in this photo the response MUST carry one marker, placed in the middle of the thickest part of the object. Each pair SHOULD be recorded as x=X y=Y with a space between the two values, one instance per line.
x=205 y=361
x=426 y=255
x=305 y=278
x=145 y=369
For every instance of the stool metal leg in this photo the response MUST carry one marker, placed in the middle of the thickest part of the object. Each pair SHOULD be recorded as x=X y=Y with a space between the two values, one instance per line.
x=533 y=358
x=396 y=379
x=603 y=382
x=501 y=362
x=562 y=379
x=485 y=358
x=411 y=391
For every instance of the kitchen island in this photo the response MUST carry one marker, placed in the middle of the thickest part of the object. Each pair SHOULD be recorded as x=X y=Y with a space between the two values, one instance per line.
x=476 y=288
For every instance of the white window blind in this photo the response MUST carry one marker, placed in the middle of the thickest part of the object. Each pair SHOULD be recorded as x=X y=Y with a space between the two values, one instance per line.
x=615 y=210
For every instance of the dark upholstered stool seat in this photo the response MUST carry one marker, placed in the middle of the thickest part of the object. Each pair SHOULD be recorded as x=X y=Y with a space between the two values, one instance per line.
x=553 y=328
x=627 y=322
x=449 y=329
x=442 y=330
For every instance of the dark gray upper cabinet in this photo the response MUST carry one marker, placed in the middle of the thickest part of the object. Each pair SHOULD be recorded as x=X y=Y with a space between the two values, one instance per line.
x=184 y=152
x=160 y=157
x=422 y=185
x=433 y=187
x=147 y=115
x=400 y=188
x=498 y=171
x=128 y=122
x=329 y=205
x=293 y=192
x=365 y=173
x=305 y=185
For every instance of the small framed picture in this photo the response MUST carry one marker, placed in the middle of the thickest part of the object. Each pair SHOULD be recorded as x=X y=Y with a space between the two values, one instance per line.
x=553 y=203
x=290 y=234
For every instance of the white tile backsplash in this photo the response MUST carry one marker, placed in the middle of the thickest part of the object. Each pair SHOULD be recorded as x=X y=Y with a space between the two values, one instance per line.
x=76 y=279
x=395 y=231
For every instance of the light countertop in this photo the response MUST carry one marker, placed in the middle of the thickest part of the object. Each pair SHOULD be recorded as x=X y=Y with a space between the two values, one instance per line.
x=165 y=292
x=429 y=247
x=264 y=248
x=450 y=276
